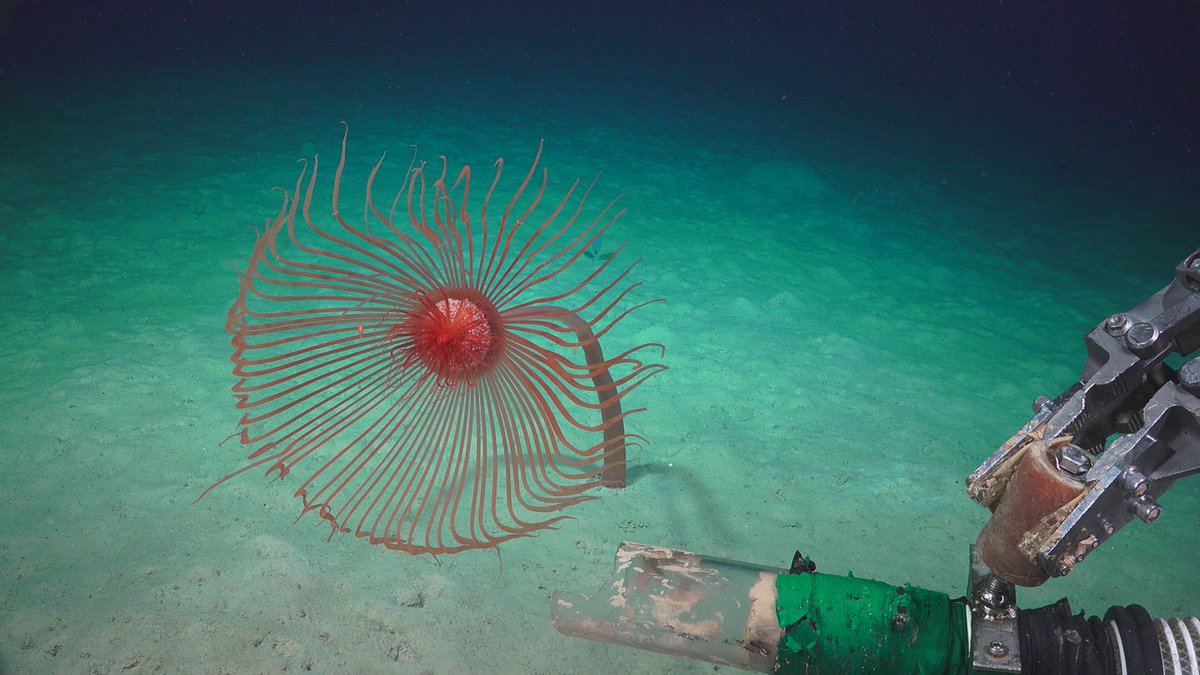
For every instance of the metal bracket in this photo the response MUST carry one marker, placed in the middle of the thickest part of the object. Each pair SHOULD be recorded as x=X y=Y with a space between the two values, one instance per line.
x=995 y=647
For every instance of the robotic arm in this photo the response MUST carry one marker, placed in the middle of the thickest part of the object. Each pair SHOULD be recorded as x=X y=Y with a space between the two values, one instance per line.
x=1059 y=489
x=1090 y=461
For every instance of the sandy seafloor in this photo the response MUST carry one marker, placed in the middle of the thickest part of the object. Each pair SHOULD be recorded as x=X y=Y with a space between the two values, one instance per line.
x=854 y=322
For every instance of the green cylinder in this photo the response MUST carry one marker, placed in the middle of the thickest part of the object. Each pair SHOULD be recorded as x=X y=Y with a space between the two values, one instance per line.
x=834 y=624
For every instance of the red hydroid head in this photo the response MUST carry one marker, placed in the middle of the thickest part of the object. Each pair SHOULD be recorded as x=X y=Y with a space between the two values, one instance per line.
x=442 y=383
x=458 y=335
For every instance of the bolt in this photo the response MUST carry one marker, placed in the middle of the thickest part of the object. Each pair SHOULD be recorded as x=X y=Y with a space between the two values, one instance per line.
x=1072 y=459
x=1141 y=335
x=992 y=600
x=1040 y=404
x=1116 y=325
x=1191 y=280
x=1134 y=482
x=997 y=649
x=993 y=593
x=1145 y=509
x=1107 y=526
x=1128 y=422
x=1189 y=375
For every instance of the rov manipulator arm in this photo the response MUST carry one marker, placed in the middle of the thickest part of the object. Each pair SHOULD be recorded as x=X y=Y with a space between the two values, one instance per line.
x=1059 y=489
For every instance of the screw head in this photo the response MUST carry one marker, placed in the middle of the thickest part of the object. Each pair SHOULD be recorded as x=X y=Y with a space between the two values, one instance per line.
x=1145 y=510
x=1141 y=335
x=1190 y=279
x=1189 y=376
x=1040 y=403
x=1134 y=482
x=997 y=649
